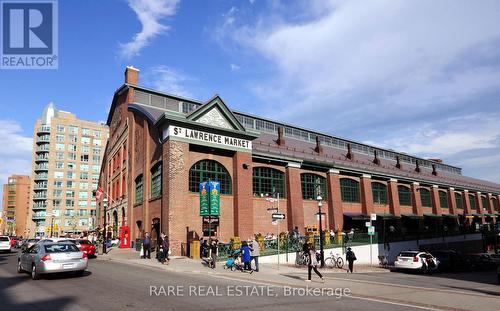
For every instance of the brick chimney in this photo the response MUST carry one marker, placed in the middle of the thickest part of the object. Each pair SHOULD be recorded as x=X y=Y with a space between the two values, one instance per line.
x=434 y=172
x=281 y=137
x=131 y=75
x=376 y=160
x=398 y=162
x=349 y=154
x=417 y=166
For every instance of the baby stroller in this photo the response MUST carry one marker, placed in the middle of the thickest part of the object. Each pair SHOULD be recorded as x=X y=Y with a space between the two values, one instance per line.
x=234 y=262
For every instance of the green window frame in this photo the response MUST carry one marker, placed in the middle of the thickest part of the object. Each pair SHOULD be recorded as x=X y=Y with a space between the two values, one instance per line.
x=443 y=199
x=425 y=197
x=268 y=181
x=379 y=192
x=495 y=204
x=349 y=190
x=404 y=194
x=313 y=185
x=156 y=181
x=139 y=189
x=484 y=202
x=458 y=200
x=472 y=201
x=205 y=170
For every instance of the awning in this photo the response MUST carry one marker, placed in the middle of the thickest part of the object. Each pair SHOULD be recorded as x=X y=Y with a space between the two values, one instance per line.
x=432 y=215
x=387 y=216
x=450 y=216
x=357 y=216
x=491 y=215
x=412 y=216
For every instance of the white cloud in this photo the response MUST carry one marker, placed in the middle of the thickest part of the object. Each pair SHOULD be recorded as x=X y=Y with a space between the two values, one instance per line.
x=417 y=76
x=15 y=155
x=150 y=13
x=234 y=67
x=168 y=80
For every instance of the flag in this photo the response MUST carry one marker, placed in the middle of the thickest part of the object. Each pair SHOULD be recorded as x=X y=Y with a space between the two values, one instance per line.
x=98 y=193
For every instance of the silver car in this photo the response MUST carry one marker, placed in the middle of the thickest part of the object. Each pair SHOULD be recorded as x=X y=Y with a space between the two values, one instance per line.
x=49 y=257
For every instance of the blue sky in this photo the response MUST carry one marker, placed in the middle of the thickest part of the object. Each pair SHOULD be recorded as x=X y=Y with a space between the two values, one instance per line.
x=421 y=77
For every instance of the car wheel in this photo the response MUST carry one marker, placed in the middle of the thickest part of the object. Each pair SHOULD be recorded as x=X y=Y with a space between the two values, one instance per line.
x=80 y=272
x=34 y=273
x=19 y=268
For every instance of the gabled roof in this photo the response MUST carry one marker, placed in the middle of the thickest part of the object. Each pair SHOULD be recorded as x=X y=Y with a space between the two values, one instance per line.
x=215 y=110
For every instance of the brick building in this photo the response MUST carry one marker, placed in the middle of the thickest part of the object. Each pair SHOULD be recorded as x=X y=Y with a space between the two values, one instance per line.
x=161 y=146
x=16 y=202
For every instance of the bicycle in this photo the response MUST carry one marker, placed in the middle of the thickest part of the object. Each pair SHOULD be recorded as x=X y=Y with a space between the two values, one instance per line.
x=334 y=261
x=301 y=259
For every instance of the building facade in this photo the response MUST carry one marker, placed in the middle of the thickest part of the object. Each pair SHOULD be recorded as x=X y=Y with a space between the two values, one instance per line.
x=67 y=156
x=15 y=203
x=162 y=146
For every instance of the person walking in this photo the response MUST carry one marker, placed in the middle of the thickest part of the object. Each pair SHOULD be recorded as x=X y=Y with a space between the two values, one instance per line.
x=214 y=251
x=255 y=252
x=245 y=256
x=165 y=245
x=146 y=243
x=350 y=257
x=313 y=263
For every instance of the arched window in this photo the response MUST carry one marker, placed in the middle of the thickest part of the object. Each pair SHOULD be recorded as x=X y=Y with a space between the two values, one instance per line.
x=379 y=191
x=349 y=190
x=138 y=189
x=425 y=197
x=484 y=202
x=404 y=194
x=495 y=204
x=268 y=181
x=458 y=200
x=156 y=181
x=443 y=199
x=312 y=186
x=209 y=169
x=472 y=201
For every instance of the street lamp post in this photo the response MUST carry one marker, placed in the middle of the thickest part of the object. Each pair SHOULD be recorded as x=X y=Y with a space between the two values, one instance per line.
x=105 y=205
x=321 y=251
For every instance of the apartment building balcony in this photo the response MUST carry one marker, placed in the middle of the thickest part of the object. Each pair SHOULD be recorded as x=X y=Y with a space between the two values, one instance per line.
x=41 y=186
x=43 y=158
x=40 y=167
x=39 y=216
x=43 y=139
x=37 y=207
x=43 y=148
x=44 y=129
x=41 y=177
x=38 y=197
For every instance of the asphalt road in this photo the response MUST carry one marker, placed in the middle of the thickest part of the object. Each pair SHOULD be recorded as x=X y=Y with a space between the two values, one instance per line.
x=115 y=286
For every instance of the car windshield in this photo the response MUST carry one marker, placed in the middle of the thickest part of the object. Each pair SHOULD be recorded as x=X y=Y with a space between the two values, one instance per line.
x=4 y=238
x=407 y=254
x=32 y=240
x=84 y=242
x=61 y=248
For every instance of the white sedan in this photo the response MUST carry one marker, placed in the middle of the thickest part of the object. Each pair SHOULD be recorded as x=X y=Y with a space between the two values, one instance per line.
x=5 y=243
x=416 y=260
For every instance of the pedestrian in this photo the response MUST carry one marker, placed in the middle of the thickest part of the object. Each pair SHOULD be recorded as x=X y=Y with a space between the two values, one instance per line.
x=214 y=251
x=255 y=252
x=245 y=256
x=350 y=257
x=313 y=263
x=165 y=244
x=146 y=242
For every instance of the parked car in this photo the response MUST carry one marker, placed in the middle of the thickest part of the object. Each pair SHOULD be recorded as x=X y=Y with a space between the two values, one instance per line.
x=449 y=260
x=5 y=245
x=482 y=261
x=415 y=260
x=13 y=241
x=50 y=257
x=84 y=245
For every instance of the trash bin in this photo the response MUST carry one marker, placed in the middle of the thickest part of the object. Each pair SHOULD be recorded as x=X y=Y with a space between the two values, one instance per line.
x=138 y=244
x=195 y=249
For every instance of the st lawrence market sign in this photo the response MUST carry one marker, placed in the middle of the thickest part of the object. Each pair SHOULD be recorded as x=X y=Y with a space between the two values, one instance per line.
x=203 y=137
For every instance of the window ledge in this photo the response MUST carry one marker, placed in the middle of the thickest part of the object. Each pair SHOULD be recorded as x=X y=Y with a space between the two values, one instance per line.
x=137 y=204
x=155 y=198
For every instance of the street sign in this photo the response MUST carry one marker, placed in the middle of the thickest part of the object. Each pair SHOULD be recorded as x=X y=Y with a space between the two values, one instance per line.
x=214 y=198
x=272 y=210
x=278 y=216
x=368 y=224
x=373 y=217
x=371 y=230
x=271 y=199
x=204 y=197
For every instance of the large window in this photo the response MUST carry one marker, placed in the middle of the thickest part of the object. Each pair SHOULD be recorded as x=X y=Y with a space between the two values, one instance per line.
x=458 y=200
x=349 y=190
x=138 y=189
x=425 y=197
x=472 y=201
x=209 y=170
x=495 y=204
x=312 y=186
x=404 y=194
x=268 y=181
x=379 y=192
x=443 y=199
x=156 y=181
x=484 y=202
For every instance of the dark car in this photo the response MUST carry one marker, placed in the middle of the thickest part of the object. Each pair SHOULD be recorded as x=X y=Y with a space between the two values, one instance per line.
x=482 y=261
x=450 y=260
